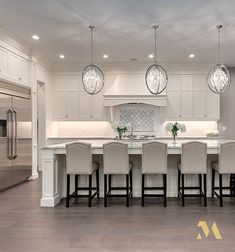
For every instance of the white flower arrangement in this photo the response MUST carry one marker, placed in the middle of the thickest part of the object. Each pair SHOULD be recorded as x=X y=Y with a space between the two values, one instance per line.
x=120 y=128
x=175 y=127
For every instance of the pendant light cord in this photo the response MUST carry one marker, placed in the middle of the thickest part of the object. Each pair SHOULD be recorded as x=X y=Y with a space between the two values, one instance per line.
x=219 y=58
x=92 y=27
x=155 y=27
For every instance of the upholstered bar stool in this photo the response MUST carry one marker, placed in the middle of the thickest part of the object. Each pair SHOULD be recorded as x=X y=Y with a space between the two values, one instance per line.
x=116 y=162
x=79 y=162
x=193 y=161
x=225 y=165
x=154 y=161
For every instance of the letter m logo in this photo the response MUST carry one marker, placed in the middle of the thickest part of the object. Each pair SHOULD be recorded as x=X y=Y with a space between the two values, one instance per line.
x=203 y=225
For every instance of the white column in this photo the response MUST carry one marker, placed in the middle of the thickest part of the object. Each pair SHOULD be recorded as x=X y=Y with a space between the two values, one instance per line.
x=33 y=82
x=51 y=191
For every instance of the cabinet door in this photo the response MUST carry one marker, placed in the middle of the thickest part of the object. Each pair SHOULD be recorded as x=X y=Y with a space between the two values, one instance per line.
x=212 y=105
x=186 y=104
x=173 y=89
x=60 y=105
x=85 y=106
x=198 y=104
x=73 y=104
x=3 y=61
x=186 y=96
x=18 y=68
x=97 y=105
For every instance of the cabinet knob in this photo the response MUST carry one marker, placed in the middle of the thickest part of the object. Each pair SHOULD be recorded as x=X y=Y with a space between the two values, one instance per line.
x=66 y=116
x=20 y=78
x=205 y=115
x=91 y=116
x=180 y=115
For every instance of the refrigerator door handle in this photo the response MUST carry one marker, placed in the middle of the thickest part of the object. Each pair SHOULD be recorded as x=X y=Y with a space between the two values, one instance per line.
x=9 y=134
x=15 y=137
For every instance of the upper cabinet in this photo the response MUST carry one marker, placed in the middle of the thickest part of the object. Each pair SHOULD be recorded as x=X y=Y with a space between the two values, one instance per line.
x=13 y=67
x=190 y=99
x=71 y=102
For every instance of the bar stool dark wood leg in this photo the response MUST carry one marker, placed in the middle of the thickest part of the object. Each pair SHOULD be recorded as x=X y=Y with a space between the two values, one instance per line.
x=213 y=183
x=131 y=184
x=205 y=189
x=179 y=183
x=90 y=190
x=68 y=190
x=165 y=188
x=182 y=190
x=142 y=190
x=76 y=185
x=200 y=183
x=127 y=190
x=110 y=183
x=220 y=190
x=105 y=190
x=97 y=184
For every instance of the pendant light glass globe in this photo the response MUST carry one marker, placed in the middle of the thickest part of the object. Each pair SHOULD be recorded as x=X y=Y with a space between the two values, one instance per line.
x=218 y=79
x=92 y=76
x=156 y=77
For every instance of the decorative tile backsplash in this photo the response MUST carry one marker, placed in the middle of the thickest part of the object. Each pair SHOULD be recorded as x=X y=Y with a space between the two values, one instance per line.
x=141 y=119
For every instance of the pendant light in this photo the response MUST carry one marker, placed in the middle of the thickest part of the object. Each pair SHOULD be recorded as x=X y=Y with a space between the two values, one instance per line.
x=156 y=77
x=92 y=76
x=218 y=79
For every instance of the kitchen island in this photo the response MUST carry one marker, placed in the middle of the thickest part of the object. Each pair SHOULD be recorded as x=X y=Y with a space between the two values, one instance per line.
x=54 y=173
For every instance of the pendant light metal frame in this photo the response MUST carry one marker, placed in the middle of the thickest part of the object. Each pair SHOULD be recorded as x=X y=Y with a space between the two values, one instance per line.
x=212 y=87
x=156 y=66
x=94 y=67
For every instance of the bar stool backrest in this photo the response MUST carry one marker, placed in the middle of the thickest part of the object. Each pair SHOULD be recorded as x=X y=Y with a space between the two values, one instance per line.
x=227 y=158
x=154 y=158
x=194 y=158
x=78 y=158
x=116 y=158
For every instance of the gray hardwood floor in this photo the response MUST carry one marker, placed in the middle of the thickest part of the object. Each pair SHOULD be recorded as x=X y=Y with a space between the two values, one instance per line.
x=24 y=226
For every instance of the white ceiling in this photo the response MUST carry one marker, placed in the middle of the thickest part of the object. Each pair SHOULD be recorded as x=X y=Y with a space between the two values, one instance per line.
x=123 y=28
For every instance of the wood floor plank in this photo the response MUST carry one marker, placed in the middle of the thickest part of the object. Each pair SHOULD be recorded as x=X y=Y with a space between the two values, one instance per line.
x=25 y=226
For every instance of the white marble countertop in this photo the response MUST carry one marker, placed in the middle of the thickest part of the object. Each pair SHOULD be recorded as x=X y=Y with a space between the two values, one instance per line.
x=135 y=146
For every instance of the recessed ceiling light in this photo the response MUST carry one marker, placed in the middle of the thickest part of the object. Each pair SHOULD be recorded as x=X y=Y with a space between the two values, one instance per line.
x=105 y=56
x=151 y=56
x=61 y=56
x=191 y=55
x=35 y=37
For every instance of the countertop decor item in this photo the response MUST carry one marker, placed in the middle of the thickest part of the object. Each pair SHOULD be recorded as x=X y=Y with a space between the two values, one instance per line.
x=219 y=79
x=120 y=128
x=174 y=128
x=92 y=76
x=156 y=77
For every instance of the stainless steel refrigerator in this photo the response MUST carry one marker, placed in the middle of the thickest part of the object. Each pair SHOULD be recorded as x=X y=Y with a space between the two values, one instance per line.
x=15 y=135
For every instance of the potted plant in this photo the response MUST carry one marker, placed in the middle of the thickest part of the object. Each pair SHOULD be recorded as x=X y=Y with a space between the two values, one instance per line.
x=120 y=128
x=174 y=128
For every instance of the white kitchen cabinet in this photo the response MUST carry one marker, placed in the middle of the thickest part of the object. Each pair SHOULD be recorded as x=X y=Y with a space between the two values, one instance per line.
x=3 y=61
x=85 y=106
x=71 y=102
x=60 y=105
x=212 y=108
x=190 y=99
x=18 y=68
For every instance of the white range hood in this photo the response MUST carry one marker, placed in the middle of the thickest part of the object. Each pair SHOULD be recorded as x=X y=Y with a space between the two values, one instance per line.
x=131 y=88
